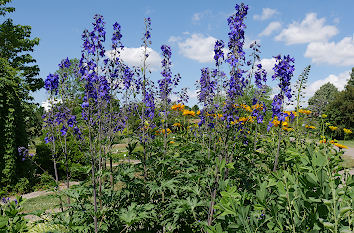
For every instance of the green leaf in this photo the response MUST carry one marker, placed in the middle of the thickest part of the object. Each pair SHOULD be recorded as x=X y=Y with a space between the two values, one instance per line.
x=328 y=225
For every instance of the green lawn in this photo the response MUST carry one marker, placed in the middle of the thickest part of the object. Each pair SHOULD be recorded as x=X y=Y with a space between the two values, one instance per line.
x=41 y=203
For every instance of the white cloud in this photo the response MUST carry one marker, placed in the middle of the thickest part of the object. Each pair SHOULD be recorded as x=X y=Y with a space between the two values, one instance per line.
x=341 y=53
x=272 y=27
x=199 y=15
x=134 y=57
x=268 y=64
x=48 y=103
x=338 y=81
x=196 y=17
x=197 y=47
x=311 y=29
x=266 y=14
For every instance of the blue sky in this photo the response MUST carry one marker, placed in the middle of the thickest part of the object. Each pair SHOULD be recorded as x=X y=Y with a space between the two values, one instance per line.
x=317 y=32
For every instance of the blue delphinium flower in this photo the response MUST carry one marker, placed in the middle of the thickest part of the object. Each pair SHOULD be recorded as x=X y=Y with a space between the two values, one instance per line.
x=235 y=58
x=149 y=105
x=148 y=26
x=51 y=83
x=65 y=63
x=207 y=88
x=218 y=53
x=283 y=70
x=116 y=37
x=165 y=84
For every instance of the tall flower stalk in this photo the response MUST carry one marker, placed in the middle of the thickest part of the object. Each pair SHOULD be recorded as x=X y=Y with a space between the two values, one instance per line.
x=283 y=70
x=96 y=95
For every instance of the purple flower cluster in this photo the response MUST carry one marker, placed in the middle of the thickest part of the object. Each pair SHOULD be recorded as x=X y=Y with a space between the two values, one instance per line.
x=237 y=35
x=65 y=63
x=117 y=36
x=51 y=83
x=147 y=34
x=23 y=152
x=218 y=53
x=235 y=58
x=93 y=41
x=165 y=84
x=149 y=105
x=207 y=88
x=283 y=70
x=260 y=75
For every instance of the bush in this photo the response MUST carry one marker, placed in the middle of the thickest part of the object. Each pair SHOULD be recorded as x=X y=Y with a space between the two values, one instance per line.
x=23 y=186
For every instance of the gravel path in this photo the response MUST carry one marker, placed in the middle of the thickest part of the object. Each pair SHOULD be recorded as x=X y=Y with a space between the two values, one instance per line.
x=44 y=192
x=350 y=153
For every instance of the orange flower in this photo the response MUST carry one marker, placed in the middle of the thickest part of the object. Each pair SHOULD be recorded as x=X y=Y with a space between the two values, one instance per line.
x=171 y=142
x=188 y=113
x=276 y=122
x=177 y=107
x=198 y=112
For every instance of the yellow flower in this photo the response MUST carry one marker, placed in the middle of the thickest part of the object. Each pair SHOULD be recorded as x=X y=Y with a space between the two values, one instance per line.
x=276 y=122
x=177 y=107
x=177 y=124
x=333 y=128
x=288 y=129
x=162 y=131
x=305 y=111
x=198 y=112
x=347 y=131
x=285 y=124
x=310 y=127
x=323 y=115
x=188 y=113
x=258 y=106
x=171 y=142
x=219 y=115
x=340 y=146
x=323 y=141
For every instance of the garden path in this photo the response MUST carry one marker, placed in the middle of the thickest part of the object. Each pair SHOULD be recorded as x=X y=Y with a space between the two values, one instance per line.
x=350 y=153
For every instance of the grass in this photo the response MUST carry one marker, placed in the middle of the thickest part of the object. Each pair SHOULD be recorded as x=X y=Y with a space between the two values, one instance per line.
x=41 y=203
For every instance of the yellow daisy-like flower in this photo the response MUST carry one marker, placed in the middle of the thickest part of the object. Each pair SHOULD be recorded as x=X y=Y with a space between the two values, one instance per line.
x=347 y=131
x=276 y=122
x=324 y=116
x=310 y=127
x=177 y=107
x=288 y=129
x=305 y=111
x=340 y=146
x=323 y=141
x=188 y=113
x=333 y=128
x=177 y=124
x=168 y=131
x=171 y=142
x=198 y=112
